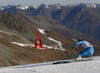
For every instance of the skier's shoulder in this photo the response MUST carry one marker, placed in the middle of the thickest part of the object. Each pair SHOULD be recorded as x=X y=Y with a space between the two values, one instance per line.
x=80 y=42
x=86 y=41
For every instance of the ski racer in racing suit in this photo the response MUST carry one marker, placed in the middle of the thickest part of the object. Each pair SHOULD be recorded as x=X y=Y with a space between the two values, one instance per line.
x=88 y=48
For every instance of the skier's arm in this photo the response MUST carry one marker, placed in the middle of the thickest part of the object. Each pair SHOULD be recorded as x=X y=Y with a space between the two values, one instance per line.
x=81 y=42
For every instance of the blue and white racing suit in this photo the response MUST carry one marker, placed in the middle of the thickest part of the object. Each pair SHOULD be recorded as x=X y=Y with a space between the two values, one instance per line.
x=88 y=48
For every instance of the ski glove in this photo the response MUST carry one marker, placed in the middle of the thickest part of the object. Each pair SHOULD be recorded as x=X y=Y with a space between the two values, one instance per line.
x=72 y=49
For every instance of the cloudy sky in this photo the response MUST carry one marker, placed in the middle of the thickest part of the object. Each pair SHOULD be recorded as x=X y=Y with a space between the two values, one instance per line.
x=38 y=2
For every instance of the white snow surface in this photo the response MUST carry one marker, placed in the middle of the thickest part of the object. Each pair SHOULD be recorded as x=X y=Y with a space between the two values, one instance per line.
x=92 y=66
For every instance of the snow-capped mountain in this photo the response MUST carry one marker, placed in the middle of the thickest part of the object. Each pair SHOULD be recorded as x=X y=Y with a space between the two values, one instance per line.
x=20 y=6
x=56 y=6
x=1 y=8
x=94 y=5
x=34 y=6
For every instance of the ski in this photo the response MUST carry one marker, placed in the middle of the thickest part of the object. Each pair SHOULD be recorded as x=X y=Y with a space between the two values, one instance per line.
x=72 y=60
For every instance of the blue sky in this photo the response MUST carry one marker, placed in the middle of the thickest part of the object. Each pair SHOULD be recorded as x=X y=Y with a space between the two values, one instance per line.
x=38 y=2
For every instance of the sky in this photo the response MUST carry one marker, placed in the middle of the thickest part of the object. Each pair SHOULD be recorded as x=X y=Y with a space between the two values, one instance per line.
x=38 y=2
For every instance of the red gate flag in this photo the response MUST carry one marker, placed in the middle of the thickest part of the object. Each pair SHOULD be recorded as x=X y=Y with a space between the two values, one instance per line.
x=38 y=44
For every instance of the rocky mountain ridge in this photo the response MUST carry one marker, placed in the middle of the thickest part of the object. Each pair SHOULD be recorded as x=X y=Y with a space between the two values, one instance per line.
x=58 y=6
x=76 y=16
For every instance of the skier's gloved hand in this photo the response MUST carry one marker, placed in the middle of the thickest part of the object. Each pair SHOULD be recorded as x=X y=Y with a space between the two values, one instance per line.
x=72 y=49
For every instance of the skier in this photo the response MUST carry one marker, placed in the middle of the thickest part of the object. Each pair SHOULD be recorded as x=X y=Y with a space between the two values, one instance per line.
x=88 y=49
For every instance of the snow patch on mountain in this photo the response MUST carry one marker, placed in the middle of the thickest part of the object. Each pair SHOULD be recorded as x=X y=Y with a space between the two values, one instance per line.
x=58 y=6
x=23 y=44
x=44 y=46
x=30 y=45
x=1 y=8
x=59 y=43
x=74 y=40
x=91 y=5
x=20 y=6
x=42 y=31
x=34 y=6
x=46 y=6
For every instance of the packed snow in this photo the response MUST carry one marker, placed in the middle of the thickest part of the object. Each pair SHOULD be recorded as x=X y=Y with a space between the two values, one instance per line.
x=92 y=66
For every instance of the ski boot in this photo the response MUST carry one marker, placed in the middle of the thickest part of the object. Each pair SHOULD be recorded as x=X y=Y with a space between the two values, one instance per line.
x=79 y=58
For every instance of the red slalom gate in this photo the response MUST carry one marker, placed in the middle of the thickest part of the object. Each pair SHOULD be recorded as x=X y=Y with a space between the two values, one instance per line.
x=38 y=44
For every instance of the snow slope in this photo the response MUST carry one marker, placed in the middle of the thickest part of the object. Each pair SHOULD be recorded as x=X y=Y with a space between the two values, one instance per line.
x=92 y=66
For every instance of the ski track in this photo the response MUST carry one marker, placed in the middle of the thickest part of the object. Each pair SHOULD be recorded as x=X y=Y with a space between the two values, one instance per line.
x=92 y=66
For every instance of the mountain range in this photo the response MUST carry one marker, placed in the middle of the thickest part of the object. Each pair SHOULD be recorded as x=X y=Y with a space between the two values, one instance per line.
x=76 y=16
x=18 y=25
x=53 y=6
